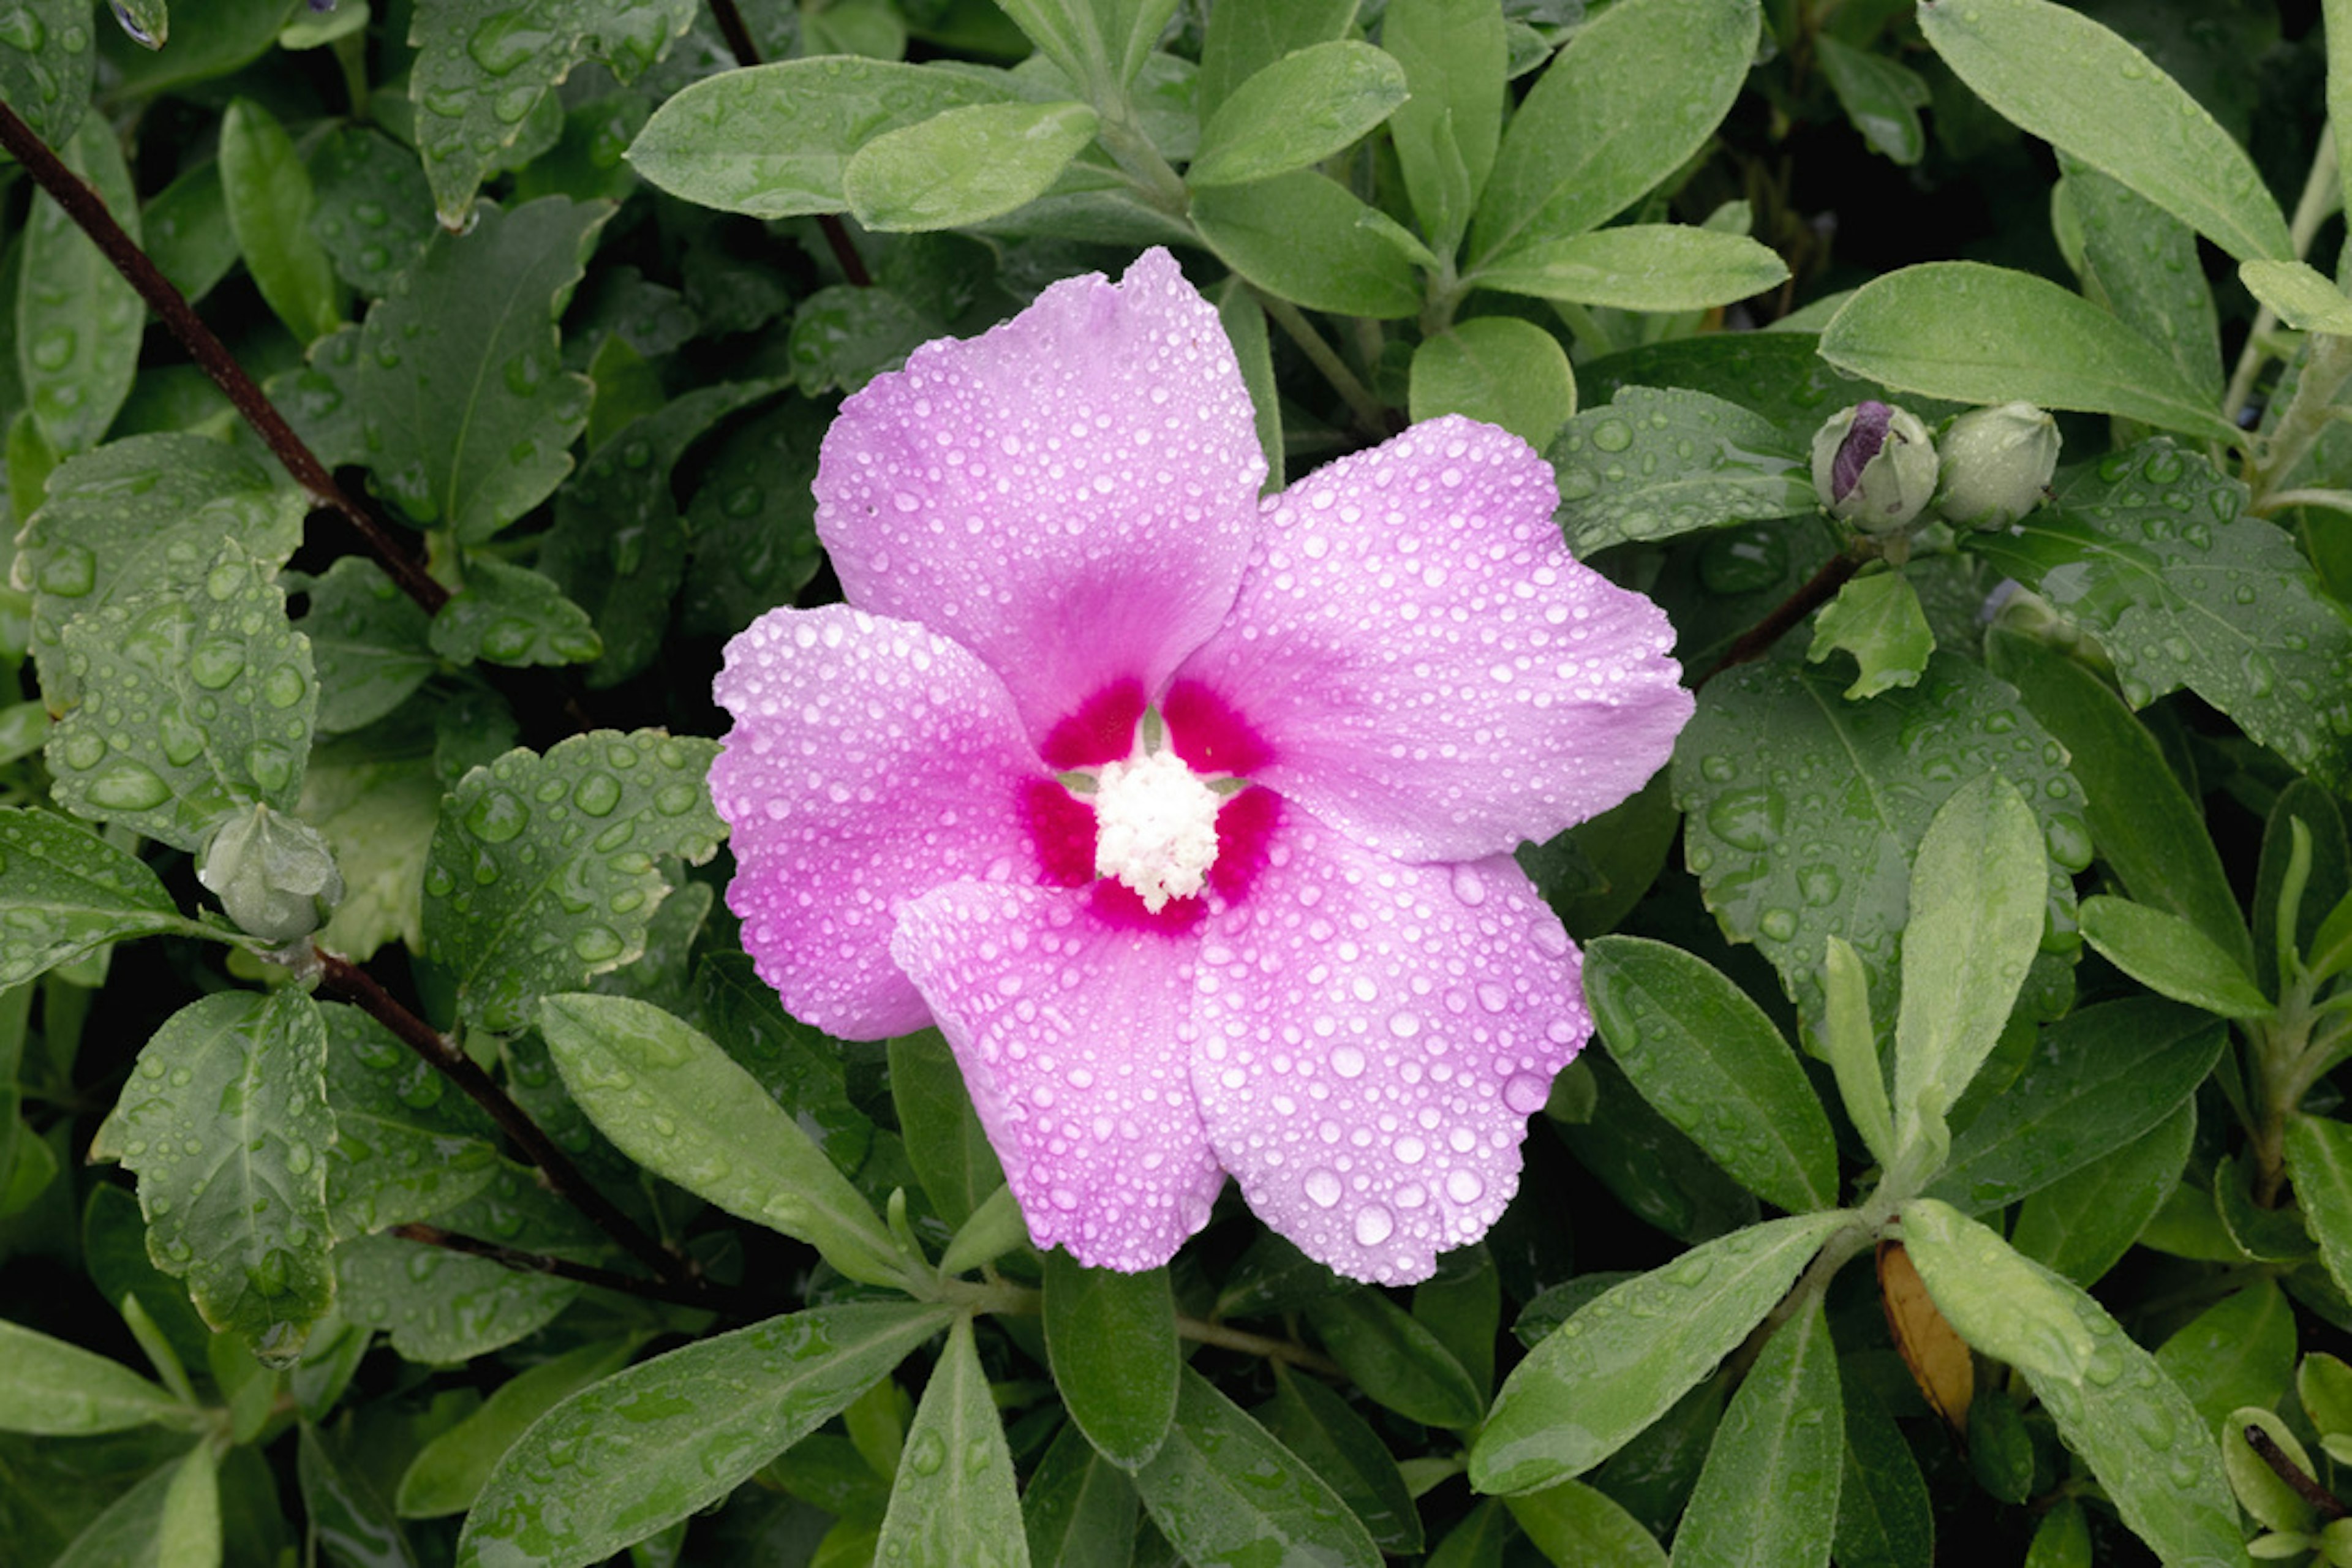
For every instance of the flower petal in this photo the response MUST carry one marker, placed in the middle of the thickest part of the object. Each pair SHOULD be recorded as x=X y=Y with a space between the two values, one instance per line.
x=1072 y=495
x=870 y=762
x=1427 y=665
x=1073 y=1036
x=1373 y=1036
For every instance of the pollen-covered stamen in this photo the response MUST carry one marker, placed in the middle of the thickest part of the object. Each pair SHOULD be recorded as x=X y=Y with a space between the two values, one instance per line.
x=1155 y=827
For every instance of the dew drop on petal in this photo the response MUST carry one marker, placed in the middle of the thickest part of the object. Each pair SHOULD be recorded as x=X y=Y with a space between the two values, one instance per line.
x=1323 y=1187
x=1373 y=1225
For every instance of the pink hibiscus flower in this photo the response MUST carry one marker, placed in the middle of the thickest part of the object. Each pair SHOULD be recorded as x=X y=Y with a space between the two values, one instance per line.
x=1187 y=816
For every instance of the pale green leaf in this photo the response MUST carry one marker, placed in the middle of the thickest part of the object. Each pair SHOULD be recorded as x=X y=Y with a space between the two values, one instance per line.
x=1638 y=267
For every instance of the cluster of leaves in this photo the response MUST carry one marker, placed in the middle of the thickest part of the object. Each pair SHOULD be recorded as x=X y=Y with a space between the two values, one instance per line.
x=2009 y=940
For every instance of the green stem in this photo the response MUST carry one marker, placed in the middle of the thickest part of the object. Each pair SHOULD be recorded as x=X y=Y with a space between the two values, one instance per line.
x=1839 y=1249
x=1367 y=408
x=1000 y=1300
x=2328 y=361
x=2320 y=197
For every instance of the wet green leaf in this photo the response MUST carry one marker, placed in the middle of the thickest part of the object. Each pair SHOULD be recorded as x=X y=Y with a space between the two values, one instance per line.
x=2171 y=957
x=79 y=322
x=751 y=523
x=2071 y=82
x=2080 y=1225
x=1881 y=97
x=1707 y=1059
x=1395 y=1359
x=511 y=615
x=483 y=66
x=1453 y=53
x=1574 y=1525
x=1317 y=1423
x=45 y=66
x=2319 y=1160
x=1299 y=110
x=190 y=704
x=963 y=165
x=408 y=1145
x=1624 y=1359
x=372 y=209
x=954 y=1502
x=1767 y=1495
x=368 y=643
x=945 y=1142
x=448 y=1473
x=1884 y=1517
x=1638 y=267
x=1498 y=369
x=1309 y=241
x=68 y=893
x=269 y=200
x=186 y=234
x=1080 y=1508
x=354 y=1525
x=376 y=815
x=225 y=1123
x=58 y=1390
x=1112 y=1340
x=1878 y=620
x=678 y=1106
x=2141 y=264
x=171 y=1517
x=1225 y=1494
x=618 y=1461
x=1655 y=462
x=2240 y=1350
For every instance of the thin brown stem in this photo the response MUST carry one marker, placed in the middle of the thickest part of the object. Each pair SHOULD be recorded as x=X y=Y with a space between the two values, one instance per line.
x=2287 y=1470
x=88 y=212
x=1817 y=590
x=697 y=1293
x=836 y=233
x=356 y=985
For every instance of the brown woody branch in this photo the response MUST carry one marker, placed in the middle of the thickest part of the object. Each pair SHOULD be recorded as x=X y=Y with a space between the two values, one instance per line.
x=82 y=205
x=2286 y=1469
x=1817 y=590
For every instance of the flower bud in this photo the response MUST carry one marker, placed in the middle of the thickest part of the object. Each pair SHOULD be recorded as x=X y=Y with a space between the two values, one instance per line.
x=274 y=875
x=1997 y=465
x=1873 y=467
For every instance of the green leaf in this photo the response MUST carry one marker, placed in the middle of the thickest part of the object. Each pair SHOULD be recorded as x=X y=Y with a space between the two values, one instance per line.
x=1882 y=98
x=147 y=23
x=79 y=321
x=57 y=1390
x=1079 y=1510
x=678 y=1106
x=372 y=209
x=2080 y=1225
x=1769 y=1494
x=1647 y=1163
x=773 y=141
x=1499 y=369
x=483 y=66
x=187 y=230
x=1620 y=1362
x=1228 y=1495
x=2171 y=957
x=346 y=1515
x=2143 y=823
x=671 y=1435
x=1309 y=241
x=2114 y=1405
x=1986 y=334
x=1453 y=53
x=191 y=703
x=2240 y=1350
x=145 y=513
x=1299 y=110
x=514 y=616
x=1396 y=1361
x=1776 y=376
x=1624 y=105
x=1878 y=620
x=465 y=413
x=1978 y=888
x=2304 y=823
x=1638 y=267
x=1112 y=1340
x=945 y=1142
x=544 y=869
x=69 y=892
x=2101 y=1079
x=1575 y=1525
x=1803 y=810
x=2319 y=1161
x=444 y=1307
x=2140 y=263
x=1884 y=1517
x=173 y=1517
x=1708 y=1060
x=232 y=33
x=955 y=1485
x=1849 y=1039
x=618 y=546
x=1240 y=41
x=227 y=1126
x=2300 y=294
x=269 y=199
x=376 y=814
x=408 y=1145
x=2151 y=550
x=2069 y=80
x=798 y=1067
x=368 y=643
x=751 y=526
x=44 y=66
x=964 y=165
x=2265 y=1493
x=1317 y=1423
x=1656 y=462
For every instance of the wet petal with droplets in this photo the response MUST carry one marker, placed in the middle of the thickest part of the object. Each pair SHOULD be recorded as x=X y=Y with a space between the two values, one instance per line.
x=1072 y=496
x=1372 y=1039
x=1072 y=1033
x=1429 y=668
x=870 y=761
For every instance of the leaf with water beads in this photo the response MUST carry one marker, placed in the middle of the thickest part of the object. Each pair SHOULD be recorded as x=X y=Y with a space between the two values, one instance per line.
x=225 y=1123
x=651 y=1445
x=78 y=323
x=2152 y=551
x=367 y=642
x=407 y=1144
x=483 y=66
x=511 y=615
x=66 y=892
x=61 y=1389
x=1225 y=1494
x=2113 y=1404
x=542 y=870
x=45 y=64
x=954 y=1504
x=191 y=705
x=1655 y=462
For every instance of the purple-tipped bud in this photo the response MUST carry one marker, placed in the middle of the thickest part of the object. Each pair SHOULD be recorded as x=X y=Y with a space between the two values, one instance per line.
x=1873 y=467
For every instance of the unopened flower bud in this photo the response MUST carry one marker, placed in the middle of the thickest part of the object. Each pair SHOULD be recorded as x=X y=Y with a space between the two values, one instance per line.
x=1873 y=467
x=1997 y=465
x=273 y=873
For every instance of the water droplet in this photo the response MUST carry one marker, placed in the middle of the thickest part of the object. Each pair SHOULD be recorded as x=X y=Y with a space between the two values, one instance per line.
x=1323 y=1187
x=127 y=785
x=1374 y=1224
x=497 y=817
x=926 y=1453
